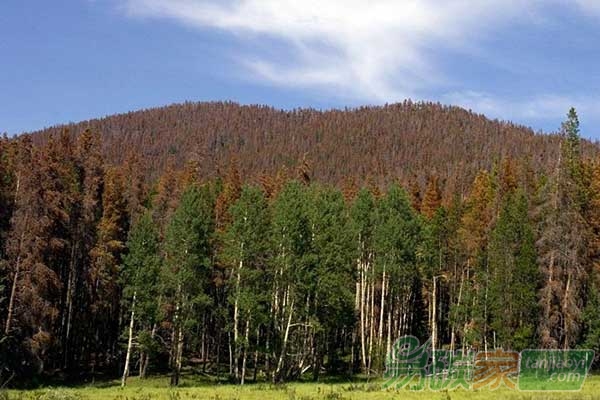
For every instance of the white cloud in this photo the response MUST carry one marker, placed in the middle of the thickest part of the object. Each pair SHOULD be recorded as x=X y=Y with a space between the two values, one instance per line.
x=380 y=50
x=589 y=6
x=374 y=50
x=536 y=107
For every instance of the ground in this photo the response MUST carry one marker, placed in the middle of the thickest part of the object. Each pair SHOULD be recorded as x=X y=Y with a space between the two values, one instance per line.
x=157 y=388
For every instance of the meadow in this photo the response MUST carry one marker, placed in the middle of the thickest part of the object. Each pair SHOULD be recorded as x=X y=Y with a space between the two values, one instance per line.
x=192 y=388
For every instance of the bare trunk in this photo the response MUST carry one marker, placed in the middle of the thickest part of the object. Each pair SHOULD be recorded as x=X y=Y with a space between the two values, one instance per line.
x=13 y=290
x=381 y=310
x=129 y=343
x=363 y=317
x=285 y=342
x=245 y=352
x=146 y=360
x=566 y=313
x=236 y=322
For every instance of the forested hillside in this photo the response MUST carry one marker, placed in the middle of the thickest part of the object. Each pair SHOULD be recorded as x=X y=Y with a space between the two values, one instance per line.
x=397 y=143
x=256 y=244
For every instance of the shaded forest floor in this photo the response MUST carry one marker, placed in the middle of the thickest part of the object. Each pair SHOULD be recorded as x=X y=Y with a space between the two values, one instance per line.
x=197 y=388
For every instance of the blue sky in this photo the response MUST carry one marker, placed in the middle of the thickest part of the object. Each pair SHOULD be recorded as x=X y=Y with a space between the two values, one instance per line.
x=527 y=61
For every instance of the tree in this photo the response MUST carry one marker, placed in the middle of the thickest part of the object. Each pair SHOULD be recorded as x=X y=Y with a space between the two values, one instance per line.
x=291 y=269
x=362 y=226
x=562 y=243
x=139 y=277
x=397 y=235
x=432 y=199
x=514 y=277
x=474 y=233
x=186 y=277
x=331 y=296
x=246 y=252
x=106 y=259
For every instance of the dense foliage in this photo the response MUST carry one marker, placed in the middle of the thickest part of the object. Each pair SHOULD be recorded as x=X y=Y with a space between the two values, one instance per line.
x=108 y=271
x=404 y=142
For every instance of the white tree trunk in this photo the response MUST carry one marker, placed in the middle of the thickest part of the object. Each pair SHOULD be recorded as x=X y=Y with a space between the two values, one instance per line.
x=129 y=343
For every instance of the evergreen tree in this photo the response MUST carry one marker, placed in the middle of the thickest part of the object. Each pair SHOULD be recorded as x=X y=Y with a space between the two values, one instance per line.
x=432 y=199
x=105 y=261
x=563 y=244
x=513 y=277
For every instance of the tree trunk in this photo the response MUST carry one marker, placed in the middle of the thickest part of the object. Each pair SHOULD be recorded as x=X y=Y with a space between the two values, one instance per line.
x=13 y=290
x=129 y=343
x=146 y=360
x=285 y=342
x=236 y=351
x=245 y=352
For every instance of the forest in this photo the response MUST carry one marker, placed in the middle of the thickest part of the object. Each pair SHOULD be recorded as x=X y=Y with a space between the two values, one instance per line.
x=256 y=256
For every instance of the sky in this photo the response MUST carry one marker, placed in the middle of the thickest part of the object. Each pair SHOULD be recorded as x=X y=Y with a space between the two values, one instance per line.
x=527 y=61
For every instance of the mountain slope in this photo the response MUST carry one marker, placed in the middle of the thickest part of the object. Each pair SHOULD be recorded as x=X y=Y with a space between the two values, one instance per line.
x=380 y=144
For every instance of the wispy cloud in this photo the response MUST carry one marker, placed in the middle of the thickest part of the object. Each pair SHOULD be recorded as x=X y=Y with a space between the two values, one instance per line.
x=380 y=50
x=377 y=50
x=535 y=107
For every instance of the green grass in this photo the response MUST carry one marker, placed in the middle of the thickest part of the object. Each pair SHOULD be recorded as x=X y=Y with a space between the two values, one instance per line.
x=157 y=388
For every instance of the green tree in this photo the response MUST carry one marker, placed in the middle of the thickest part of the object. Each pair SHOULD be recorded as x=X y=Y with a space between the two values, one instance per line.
x=292 y=270
x=397 y=237
x=514 y=278
x=188 y=248
x=362 y=228
x=332 y=296
x=246 y=250
x=139 y=279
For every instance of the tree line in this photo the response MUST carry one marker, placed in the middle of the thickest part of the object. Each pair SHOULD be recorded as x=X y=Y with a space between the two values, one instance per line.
x=107 y=273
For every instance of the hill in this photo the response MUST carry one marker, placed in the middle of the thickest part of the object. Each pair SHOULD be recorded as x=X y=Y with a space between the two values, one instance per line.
x=403 y=141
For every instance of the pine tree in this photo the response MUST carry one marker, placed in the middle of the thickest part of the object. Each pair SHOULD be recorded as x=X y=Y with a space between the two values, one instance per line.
x=563 y=249
x=474 y=232
x=106 y=258
x=514 y=278
x=432 y=199
x=232 y=188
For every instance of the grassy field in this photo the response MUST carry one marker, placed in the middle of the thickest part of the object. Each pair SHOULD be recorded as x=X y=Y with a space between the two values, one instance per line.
x=157 y=388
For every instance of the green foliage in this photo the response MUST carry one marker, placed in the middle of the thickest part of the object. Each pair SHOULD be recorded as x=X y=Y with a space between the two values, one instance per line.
x=513 y=277
x=141 y=266
x=188 y=250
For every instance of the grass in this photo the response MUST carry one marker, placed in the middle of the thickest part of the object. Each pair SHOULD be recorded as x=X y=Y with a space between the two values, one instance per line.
x=191 y=388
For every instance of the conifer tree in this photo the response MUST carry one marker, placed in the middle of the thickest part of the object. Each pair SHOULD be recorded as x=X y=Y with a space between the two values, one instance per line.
x=105 y=260
x=474 y=233
x=432 y=199
x=514 y=278
x=563 y=244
